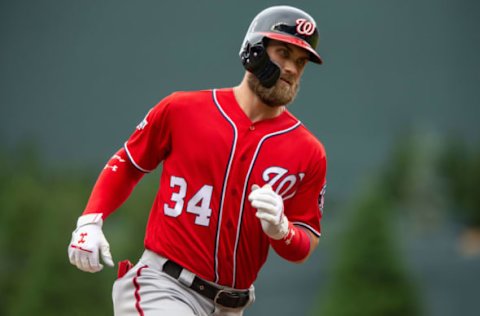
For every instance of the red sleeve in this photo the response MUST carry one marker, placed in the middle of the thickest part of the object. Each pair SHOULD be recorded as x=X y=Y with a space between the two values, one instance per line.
x=306 y=207
x=113 y=186
x=151 y=141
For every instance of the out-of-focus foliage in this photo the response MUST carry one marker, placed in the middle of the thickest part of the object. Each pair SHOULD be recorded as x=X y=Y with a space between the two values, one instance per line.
x=460 y=166
x=369 y=278
x=38 y=211
x=425 y=179
x=428 y=174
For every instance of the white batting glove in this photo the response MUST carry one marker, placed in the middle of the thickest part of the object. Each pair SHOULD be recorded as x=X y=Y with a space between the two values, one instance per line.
x=269 y=207
x=87 y=242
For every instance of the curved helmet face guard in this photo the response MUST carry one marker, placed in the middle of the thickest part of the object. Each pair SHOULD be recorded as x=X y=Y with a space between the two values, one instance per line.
x=256 y=60
x=282 y=23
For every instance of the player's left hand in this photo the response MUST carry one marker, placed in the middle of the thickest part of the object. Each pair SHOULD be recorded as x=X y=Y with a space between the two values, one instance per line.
x=269 y=207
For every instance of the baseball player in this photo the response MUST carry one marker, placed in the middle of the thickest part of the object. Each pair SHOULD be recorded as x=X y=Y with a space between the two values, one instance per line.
x=240 y=174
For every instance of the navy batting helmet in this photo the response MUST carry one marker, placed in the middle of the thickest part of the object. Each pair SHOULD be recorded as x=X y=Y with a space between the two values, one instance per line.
x=282 y=23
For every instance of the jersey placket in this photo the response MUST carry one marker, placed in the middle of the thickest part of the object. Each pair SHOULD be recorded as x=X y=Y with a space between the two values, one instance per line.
x=237 y=198
x=249 y=138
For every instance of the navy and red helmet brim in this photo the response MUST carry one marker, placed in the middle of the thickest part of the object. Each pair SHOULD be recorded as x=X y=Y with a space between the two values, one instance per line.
x=314 y=56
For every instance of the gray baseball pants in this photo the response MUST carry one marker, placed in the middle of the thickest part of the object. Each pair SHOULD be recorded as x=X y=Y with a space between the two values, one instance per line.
x=147 y=291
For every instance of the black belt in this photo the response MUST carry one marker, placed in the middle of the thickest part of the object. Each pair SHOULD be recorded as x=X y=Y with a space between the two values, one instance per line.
x=232 y=299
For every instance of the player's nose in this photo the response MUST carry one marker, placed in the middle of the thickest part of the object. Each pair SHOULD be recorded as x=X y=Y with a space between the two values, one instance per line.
x=290 y=68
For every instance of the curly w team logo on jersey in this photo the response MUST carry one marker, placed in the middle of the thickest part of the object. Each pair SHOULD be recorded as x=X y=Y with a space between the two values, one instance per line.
x=283 y=184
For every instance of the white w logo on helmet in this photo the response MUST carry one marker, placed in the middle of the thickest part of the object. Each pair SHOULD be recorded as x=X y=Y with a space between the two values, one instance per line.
x=305 y=27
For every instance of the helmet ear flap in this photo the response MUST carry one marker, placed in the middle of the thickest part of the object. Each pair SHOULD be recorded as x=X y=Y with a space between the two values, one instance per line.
x=255 y=59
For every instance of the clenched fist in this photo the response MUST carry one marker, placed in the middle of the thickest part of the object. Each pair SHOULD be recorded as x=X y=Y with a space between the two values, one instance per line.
x=88 y=243
x=269 y=207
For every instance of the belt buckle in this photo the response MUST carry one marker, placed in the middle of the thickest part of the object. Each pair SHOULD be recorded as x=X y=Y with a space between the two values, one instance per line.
x=217 y=296
x=231 y=294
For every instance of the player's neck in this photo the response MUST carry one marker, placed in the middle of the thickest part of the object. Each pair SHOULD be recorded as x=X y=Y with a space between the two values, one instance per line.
x=252 y=106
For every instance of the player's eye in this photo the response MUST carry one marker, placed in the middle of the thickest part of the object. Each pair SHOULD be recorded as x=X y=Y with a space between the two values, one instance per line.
x=301 y=62
x=283 y=52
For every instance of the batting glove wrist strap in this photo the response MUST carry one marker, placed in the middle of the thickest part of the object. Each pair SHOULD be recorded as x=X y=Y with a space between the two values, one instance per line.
x=92 y=218
x=279 y=231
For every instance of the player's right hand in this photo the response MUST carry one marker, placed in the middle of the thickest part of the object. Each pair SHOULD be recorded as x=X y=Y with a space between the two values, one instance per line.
x=269 y=207
x=88 y=243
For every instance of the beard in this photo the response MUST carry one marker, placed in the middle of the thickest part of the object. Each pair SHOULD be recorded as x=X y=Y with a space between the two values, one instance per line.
x=279 y=95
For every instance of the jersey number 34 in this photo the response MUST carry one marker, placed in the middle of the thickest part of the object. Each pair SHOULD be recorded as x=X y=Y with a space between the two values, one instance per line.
x=198 y=204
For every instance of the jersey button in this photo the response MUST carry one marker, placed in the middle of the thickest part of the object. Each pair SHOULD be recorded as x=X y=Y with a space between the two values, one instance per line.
x=252 y=127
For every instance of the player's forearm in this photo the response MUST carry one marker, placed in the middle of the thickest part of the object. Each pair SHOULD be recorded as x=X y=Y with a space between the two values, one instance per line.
x=296 y=246
x=114 y=185
x=314 y=240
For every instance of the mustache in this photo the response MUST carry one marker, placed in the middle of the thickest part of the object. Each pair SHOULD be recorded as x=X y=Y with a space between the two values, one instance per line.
x=289 y=78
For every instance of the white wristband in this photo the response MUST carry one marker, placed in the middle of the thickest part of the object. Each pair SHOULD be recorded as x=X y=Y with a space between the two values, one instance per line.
x=94 y=218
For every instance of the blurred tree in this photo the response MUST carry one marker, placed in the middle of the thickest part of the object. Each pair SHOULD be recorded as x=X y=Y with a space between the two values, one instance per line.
x=39 y=208
x=369 y=277
x=460 y=167
x=423 y=177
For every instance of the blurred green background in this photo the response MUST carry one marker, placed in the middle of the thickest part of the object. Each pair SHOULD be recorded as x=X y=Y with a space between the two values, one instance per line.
x=396 y=105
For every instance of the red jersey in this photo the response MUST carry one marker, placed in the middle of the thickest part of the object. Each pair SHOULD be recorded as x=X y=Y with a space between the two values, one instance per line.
x=212 y=154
